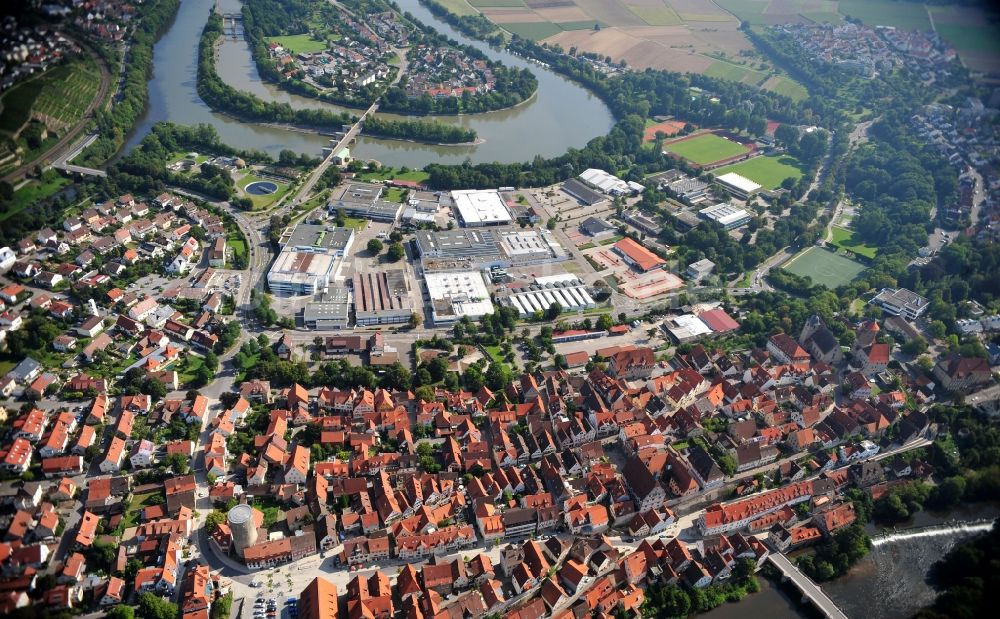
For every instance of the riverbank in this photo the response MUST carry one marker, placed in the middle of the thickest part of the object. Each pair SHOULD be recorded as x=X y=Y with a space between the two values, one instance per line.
x=248 y=108
x=508 y=82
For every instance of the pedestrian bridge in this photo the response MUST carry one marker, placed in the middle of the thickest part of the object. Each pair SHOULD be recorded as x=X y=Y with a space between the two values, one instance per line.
x=810 y=591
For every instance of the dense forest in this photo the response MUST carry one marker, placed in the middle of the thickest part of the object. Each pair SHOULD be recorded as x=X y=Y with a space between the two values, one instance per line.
x=967 y=579
x=264 y=18
x=246 y=106
x=144 y=169
x=115 y=124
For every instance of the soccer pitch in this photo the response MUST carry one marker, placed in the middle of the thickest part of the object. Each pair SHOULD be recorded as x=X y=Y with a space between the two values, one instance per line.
x=824 y=267
x=767 y=172
x=706 y=148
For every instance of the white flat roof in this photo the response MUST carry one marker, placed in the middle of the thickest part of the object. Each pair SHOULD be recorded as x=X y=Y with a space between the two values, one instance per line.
x=480 y=207
x=555 y=279
x=738 y=181
x=466 y=290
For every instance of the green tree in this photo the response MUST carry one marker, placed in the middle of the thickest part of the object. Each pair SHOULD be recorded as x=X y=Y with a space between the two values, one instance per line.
x=214 y=519
x=152 y=606
x=375 y=246
x=396 y=252
x=121 y=611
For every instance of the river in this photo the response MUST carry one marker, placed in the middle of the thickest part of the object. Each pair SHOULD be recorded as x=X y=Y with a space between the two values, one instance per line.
x=545 y=125
x=889 y=583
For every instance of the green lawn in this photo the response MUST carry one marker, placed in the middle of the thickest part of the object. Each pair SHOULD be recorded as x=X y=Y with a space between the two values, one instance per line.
x=299 y=43
x=735 y=73
x=787 y=86
x=824 y=267
x=394 y=194
x=535 y=31
x=768 y=172
x=136 y=505
x=187 y=368
x=388 y=173
x=844 y=239
x=656 y=15
x=263 y=202
x=907 y=15
x=706 y=148
x=33 y=192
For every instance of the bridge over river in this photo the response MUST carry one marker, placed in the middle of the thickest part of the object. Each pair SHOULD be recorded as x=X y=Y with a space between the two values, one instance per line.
x=807 y=587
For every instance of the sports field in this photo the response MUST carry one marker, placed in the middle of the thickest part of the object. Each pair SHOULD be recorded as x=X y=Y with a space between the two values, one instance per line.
x=844 y=239
x=705 y=148
x=824 y=267
x=669 y=128
x=299 y=43
x=768 y=172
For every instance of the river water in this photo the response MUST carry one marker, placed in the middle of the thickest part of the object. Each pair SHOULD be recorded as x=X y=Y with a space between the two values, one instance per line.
x=887 y=584
x=560 y=116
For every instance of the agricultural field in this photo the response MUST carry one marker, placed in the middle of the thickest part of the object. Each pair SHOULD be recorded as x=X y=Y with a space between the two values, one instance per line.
x=768 y=172
x=655 y=12
x=907 y=15
x=61 y=95
x=299 y=43
x=482 y=4
x=972 y=32
x=705 y=148
x=824 y=267
x=844 y=239
x=769 y=12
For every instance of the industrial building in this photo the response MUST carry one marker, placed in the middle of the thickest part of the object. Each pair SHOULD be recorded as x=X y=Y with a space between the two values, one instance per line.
x=727 y=215
x=597 y=228
x=567 y=290
x=523 y=247
x=457 y=294
x=686 y=328
x=609 y=183
x=637 y=256
x=477 y=208
x=582 y=193
x=475 y=249
x=330 y=313
x=363 y=201
x=309 y=259
x=381 y=298
x=738 y=185
x=643 y=222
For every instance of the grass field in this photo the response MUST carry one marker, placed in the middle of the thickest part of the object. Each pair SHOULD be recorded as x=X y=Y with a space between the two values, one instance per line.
x=824 y=267
x=33 y=192
x=417 y=176
x=906 y=15
x=844 y=239
x=263 y=202
x=786 y=86
x=736 y=73
x=706 y=148
x=768 y=172
x=299 y=43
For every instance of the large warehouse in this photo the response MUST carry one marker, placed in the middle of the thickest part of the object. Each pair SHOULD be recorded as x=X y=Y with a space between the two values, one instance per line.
x=638 y=256
x=525 y=247
x=475 y=208
x=457 y=294
x=568 y=291
x=309 y=258
x=381 y=298
x=329 y=313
